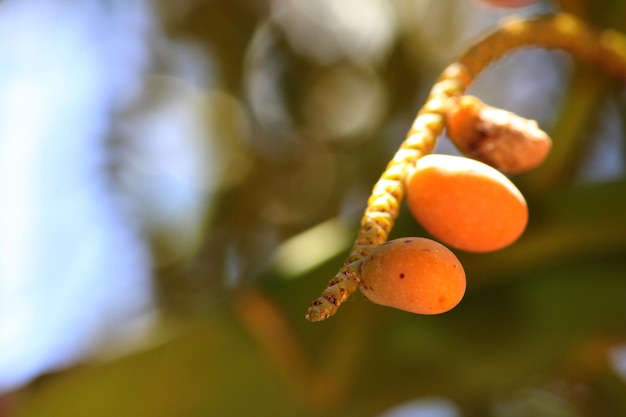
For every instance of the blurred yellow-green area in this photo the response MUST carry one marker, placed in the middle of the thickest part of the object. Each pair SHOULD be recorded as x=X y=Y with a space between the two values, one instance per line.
x=295 y=108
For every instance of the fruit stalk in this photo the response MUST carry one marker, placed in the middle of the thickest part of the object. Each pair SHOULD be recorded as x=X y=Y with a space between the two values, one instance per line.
x=384 y=203
x=606 y=50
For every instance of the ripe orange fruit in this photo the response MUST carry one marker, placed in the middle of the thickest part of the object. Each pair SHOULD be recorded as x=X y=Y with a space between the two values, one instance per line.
x=413 y=274
x=465 y=203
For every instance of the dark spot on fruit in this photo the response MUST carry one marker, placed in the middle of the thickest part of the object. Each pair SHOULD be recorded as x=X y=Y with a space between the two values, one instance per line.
x=402 y=275
x=408 y=241
x=442 y=299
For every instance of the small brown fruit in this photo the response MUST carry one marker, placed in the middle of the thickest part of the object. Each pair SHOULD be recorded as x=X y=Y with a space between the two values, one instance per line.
x=494 y=136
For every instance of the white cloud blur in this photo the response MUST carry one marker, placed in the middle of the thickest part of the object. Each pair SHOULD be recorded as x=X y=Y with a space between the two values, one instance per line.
x=72 y=266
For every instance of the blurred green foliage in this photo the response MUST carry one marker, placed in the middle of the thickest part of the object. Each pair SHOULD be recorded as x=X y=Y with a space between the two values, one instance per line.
x=542 y=322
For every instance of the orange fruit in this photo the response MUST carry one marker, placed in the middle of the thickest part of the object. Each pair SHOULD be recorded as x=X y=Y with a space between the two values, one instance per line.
x=413 y=274
x=465 y=203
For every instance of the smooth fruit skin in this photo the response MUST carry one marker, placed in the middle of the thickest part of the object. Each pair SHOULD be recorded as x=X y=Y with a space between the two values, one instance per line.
x=465 y=203
x=413 y=274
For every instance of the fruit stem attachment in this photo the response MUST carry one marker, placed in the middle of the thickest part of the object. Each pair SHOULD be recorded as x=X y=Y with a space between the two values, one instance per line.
x=383 y=204
x=606 y=50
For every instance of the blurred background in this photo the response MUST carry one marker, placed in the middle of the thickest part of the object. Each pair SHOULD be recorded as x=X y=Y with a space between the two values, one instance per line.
x=179 y=180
